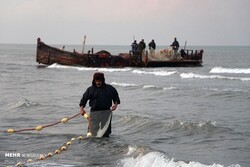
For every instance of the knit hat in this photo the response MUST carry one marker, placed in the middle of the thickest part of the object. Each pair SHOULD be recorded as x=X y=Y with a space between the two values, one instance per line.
x=98 y=76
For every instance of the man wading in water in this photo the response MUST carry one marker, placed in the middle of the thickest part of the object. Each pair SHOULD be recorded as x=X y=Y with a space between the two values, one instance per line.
x=101 y=97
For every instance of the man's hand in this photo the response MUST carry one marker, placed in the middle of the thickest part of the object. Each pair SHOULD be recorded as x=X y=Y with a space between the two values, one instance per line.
x=114 y=107
x=82 y=111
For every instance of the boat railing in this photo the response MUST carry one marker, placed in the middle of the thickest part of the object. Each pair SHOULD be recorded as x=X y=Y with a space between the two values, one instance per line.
x=192 y=54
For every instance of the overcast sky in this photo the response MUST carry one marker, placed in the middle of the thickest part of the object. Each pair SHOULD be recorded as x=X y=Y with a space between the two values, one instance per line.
x=118 y=22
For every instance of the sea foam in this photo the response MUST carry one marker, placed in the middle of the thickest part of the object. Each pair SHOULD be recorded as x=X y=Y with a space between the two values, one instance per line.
x=142 y=86
x=156 y=73
x=230 y=70
x=124 y=84
x=55 y=65
x=157 y=159
x=198 y=76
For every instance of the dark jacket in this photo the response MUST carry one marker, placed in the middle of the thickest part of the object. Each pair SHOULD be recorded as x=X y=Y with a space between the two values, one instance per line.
x=141 y=46
x=175 y=45
x=100 y=98
x=152 y=45
x=134 y=46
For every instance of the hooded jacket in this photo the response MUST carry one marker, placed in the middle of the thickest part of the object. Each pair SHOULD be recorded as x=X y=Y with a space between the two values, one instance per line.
x=100 y=98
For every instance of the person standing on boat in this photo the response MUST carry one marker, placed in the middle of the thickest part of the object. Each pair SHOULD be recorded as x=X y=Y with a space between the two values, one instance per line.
x=152 y=47
x=141 y=49
x=175 y=45
x=134 y=46
x=101 y=97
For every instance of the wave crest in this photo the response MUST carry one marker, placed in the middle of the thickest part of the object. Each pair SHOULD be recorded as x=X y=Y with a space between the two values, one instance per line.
x=157 y=159
x=190 y=125
x=230 y=70
x=124 y=84
x=55 y=65
x=142 y=86
x=157 y=73
x=24 y=103
x=192 y=75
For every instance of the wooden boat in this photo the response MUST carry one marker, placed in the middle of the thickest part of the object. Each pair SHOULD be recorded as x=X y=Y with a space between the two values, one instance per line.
x=48 y=55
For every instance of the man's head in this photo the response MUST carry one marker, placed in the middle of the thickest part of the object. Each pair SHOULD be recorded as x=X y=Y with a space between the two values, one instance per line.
x=98 y=79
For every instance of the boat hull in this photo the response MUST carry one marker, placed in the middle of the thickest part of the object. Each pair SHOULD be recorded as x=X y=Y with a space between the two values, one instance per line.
x=48 y=55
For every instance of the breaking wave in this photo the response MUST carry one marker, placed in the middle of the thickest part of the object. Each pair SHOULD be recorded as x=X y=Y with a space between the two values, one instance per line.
x=127 y=69
x=124 y=84
x=133 y=85
x=191 y=125
x=230 y=70
x=55 y=65
x=157 y=73
x=149 y=86
x=141 y=86
x=24 y=103
x=157 y=159
x=192 y=75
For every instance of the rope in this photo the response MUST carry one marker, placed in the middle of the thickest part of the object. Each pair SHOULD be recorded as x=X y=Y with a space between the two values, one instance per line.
x=63 y=148
x=57 y=151
x=40 y=127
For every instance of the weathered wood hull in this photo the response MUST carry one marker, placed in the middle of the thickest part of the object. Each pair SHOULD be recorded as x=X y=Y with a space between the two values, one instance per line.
x=48 y=55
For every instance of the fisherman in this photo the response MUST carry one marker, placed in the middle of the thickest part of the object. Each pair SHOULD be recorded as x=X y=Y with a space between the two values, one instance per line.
x=175 y=45
x=141 y=49
x=134 y=46
x=101 y=97
x=152 y=47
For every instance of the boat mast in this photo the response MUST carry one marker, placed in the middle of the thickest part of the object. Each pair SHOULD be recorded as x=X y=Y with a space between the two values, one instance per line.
x=185 y=45
x=83 y=44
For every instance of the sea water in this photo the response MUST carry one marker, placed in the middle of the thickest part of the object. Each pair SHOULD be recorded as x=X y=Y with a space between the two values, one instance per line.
x=167 y=117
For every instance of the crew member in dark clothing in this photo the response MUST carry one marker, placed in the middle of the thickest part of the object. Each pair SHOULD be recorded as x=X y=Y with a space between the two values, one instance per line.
x=152 y=45
x=134 y=46
x=101 y=96
x=141 y=46
x=141 y=49
x=175 y=45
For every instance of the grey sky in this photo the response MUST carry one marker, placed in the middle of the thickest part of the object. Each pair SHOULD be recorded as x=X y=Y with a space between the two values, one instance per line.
x=117 y=22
